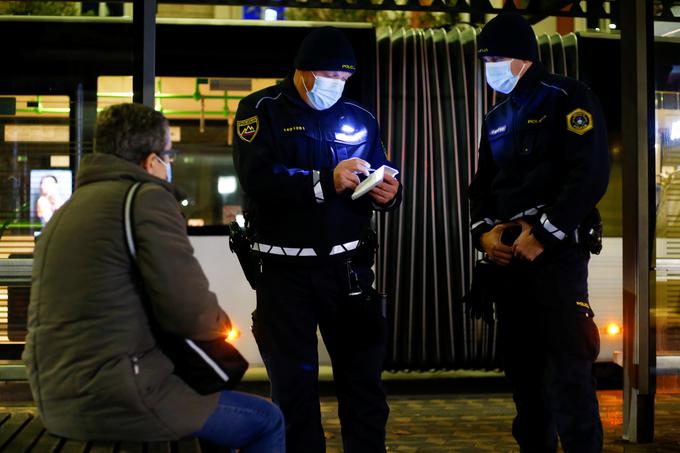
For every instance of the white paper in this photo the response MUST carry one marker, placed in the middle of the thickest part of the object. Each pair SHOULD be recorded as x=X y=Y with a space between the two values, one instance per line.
x=373 y=180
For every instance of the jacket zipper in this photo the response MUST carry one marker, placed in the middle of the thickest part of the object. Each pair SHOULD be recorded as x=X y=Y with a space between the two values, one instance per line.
x=322 y=144
x=135 y=360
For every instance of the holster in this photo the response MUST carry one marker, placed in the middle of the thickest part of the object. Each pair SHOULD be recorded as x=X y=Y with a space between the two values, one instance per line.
x=590 y=232
x=240 y=245
x=365 y=315
x=368 y=246
x=365 y=308
x=479 y=300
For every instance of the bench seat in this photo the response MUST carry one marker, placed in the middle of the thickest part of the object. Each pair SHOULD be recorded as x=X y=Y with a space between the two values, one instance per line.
x=23 y=431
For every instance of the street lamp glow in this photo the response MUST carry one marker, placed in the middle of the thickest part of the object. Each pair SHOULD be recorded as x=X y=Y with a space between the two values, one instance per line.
x=675 y=130
x=226 y=184
x=270 y=14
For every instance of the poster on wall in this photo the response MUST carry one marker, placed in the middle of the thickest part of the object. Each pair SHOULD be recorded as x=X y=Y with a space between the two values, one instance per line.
x=49 y=189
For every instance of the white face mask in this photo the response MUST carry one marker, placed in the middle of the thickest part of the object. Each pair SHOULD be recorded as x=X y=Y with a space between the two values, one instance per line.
x=168 y=168
x=325 y=92
x=499 y=76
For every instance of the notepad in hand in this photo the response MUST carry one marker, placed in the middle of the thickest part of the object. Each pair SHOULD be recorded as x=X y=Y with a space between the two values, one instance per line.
x=373 y=180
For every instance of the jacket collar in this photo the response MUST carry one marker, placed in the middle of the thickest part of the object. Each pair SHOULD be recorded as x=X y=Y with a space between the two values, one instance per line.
x=291 y=92
x=530 y=80
x=107 y=167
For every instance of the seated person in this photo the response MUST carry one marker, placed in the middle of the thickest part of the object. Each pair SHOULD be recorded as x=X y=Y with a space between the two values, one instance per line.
x=94 y=367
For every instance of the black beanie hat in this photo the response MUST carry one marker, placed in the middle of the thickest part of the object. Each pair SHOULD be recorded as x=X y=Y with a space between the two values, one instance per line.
x=508 y=35
x=326 y=49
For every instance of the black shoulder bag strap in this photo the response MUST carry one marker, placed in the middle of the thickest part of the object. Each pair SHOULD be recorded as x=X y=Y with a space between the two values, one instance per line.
x=127 y=219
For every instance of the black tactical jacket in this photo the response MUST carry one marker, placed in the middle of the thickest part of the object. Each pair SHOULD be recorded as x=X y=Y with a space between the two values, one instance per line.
x=543 y=156
x=285 y=153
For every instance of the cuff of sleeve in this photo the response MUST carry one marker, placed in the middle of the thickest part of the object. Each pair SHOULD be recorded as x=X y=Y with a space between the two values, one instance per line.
x=546 y=233
x=391 y=205
x=477 y=230
x=324 y=188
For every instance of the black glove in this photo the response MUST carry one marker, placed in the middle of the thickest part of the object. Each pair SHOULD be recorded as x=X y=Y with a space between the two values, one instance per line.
x=479 y=300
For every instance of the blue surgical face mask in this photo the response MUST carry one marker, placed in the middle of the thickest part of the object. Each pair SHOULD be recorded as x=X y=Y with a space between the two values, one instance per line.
x=325 y=92
x=168 y=168
x=499 y=76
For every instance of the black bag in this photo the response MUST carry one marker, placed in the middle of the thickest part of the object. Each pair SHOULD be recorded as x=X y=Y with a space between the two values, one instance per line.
x=206 y=366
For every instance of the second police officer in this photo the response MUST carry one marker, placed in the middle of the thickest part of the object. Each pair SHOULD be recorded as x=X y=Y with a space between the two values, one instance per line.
x=299 y=149
x=543 y=167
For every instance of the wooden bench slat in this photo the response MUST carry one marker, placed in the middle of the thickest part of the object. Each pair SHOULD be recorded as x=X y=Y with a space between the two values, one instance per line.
x=73 y=446
x=4 y=416
x=102 y=447
x=11 y=426
x=158 y=447
x=130 y=447
x=189 y=445
x=26 y=436
x=47 y=443
x=25 y=432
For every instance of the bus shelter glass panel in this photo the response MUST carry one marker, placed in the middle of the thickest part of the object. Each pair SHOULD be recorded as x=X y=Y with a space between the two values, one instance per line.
x=201 y=111
x=667 y=149
x=35 y=180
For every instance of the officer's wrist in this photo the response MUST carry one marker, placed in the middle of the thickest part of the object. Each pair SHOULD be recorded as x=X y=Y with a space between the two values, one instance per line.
x=477 y=233
x=543 y=237
x=327 y=180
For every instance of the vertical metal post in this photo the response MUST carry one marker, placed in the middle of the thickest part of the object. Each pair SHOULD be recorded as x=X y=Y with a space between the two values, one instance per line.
x=82 y=118
x=76 y=128
x=639 y=353
x=144 y=63
x=592 y=18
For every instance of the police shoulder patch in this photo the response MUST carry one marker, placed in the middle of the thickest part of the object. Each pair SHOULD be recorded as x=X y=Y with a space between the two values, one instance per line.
x=247 y=129
x=579 y=121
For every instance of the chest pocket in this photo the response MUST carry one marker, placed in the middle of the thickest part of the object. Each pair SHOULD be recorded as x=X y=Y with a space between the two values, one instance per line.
x=502 y=146
x=349 y=142
x=297 y=143
x=535 y=140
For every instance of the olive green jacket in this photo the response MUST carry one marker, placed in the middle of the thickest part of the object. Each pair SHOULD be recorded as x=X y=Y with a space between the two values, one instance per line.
x=93 y=365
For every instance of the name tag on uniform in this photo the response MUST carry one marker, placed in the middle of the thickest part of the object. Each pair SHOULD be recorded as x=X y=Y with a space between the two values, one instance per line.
x=536 y=120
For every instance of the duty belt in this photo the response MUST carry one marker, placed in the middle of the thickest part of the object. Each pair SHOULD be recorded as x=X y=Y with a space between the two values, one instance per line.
x=304 y=251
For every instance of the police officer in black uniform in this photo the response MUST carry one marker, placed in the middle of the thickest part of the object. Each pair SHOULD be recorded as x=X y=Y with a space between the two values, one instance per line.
x=543 y=166
x=300 y=149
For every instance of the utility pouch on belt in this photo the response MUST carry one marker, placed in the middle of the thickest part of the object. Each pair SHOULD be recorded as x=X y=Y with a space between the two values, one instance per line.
x=590 y=232
x=366 y=313
x=239 y=244
x=368 y=245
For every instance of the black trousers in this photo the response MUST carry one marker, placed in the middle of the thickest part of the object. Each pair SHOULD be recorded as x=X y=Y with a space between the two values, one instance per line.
x=549 y=343
x=291 y=302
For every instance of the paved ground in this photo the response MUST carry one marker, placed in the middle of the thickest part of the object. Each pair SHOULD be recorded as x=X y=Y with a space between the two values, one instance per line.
x=481 y=422
x=457 y=418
